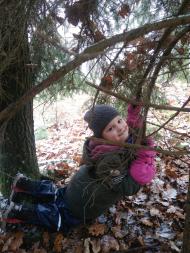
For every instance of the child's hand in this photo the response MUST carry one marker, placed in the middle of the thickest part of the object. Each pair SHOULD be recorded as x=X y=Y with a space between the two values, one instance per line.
x=143 y=169
x=134 y=118
x=145 y=154
x=150 y=142
x=134 y=109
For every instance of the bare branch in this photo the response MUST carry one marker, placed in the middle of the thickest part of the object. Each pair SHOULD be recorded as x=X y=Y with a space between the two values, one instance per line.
x=171 y=118
x=169 y=129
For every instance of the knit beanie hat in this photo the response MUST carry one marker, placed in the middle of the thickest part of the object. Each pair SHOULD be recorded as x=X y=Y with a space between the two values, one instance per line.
x=99 y=117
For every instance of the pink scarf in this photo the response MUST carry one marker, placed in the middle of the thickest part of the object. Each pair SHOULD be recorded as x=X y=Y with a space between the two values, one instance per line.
x=98 y=149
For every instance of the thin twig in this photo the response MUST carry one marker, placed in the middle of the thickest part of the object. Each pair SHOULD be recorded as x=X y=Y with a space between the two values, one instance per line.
x=107 y=70
x=169 y=129
x=171 y=118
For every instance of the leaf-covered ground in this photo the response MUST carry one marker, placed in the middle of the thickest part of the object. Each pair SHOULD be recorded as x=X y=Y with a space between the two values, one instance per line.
x=151 y=221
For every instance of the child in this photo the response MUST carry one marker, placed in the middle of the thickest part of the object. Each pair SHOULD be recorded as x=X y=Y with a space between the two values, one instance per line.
x=109 y=172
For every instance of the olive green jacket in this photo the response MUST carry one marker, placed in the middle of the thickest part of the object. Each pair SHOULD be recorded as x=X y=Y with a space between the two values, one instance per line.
x=99 y=184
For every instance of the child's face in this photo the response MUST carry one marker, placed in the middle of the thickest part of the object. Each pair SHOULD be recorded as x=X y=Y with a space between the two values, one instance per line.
x=117 y=130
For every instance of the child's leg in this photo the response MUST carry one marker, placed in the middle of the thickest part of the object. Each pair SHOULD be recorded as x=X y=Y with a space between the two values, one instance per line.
x=46 y=215
x=43 y=189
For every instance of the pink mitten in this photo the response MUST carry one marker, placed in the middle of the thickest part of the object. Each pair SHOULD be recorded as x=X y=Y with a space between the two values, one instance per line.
x=142 y=172
x=133 y=118
x=150 y=142
x=143 y=168
x=147 y=155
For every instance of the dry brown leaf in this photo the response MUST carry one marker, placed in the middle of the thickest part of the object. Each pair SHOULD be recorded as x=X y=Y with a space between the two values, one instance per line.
x=7 y=244
x=14 y=242
x=180 y=215
x=118 y=218
x=58 y=243
x=46 y=239
x=123 y=246
x=147 y=222
x=106 y=82
x=141 y=241
x=124 y=11
x=17 y=242
x=118 y=232
x=79 y=248
x=87 y=245
x=96 y=246
x=98 y=35
x=63 y=165
x=155 y=212
x=171 y=173
x=40 y=250
x=109 y=243
x=77 y=158
x=21 y=251
x=37 y=249
x=97 y=229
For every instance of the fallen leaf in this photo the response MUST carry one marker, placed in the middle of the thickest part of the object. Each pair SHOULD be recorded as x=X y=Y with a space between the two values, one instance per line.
x=87 y=245
x=146 y=222
x=40 y=250
x=154 y=212
x=118 y=232
x=77 y=158
x=46 y=239
x=124 y=11
x=169 y=193
x=96 y=246
x=106 y=82
x=63 y=165
x=7 y=244
x=97 y=229
x=58 y=243
x=17 y=242
x=79 y=248
x=109 y=243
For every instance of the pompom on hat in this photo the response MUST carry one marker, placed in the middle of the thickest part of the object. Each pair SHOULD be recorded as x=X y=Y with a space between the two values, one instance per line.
x=99 y=117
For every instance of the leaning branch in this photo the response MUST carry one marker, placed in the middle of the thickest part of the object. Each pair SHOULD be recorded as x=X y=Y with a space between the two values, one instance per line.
x=89 y=54
x=127 y=100
x=152 y=82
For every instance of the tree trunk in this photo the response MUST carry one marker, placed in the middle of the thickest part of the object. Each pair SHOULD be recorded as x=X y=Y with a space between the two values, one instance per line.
x=186 y=232
x=17 y=144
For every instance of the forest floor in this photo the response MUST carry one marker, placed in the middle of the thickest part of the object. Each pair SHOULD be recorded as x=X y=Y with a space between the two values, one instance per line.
x=151 y=221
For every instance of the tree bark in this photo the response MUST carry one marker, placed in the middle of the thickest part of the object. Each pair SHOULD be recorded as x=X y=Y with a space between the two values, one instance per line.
x=17 y=144
x=186 y=232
